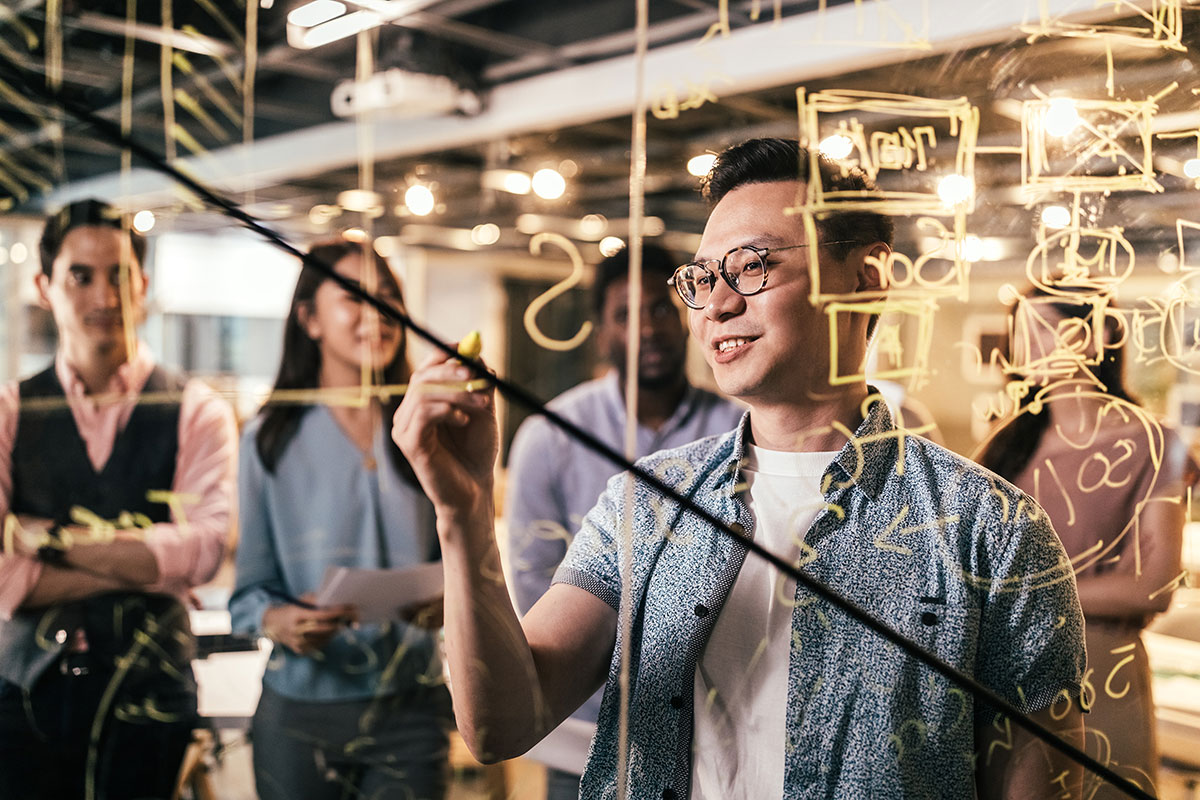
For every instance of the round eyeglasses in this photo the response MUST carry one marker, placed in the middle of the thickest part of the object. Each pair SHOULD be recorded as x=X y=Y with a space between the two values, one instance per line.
x=743 y=268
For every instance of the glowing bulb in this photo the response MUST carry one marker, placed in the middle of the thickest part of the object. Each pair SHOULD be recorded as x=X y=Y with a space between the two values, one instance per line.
x=837 y=146
x=1168 y=261
x=1191 y=168
x=360 y=200
x=1061 y=117
x=485 y=234
x=1056 y=216
x=419 y=200
x=548 y=184
x=592 y=226
x=611 y=245
x=517 y=183
x=143 y=221
x=955 y=190
x=18 y=253
x=312 y=14
x=354 y=235
x=701 y=164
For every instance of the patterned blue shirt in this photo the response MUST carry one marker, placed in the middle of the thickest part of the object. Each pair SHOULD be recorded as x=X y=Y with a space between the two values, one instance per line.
x=553 y=480
x=940 y=549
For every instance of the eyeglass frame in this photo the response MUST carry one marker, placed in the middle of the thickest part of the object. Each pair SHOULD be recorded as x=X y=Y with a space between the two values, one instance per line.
x=761 y=252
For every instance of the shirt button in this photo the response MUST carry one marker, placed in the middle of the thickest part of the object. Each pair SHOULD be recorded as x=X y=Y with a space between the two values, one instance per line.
x=668 y=794
x=676 y=702
x=929 y=618
x=701 y=610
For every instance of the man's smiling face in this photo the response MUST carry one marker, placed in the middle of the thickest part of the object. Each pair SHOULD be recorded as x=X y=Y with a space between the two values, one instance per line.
x=774 y=346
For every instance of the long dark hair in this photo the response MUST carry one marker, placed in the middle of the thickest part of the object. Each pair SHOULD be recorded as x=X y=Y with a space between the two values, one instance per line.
x=1008 y=450
x=300 y=365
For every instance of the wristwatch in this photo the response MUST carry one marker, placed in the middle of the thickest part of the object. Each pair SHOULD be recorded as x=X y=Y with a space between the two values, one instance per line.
x=53 y=554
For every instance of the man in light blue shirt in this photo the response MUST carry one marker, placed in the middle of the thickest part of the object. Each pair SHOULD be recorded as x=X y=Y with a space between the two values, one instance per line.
x=922 y=539
x=553 y=481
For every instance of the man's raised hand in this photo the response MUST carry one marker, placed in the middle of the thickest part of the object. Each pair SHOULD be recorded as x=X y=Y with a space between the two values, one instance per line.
x=448 y=434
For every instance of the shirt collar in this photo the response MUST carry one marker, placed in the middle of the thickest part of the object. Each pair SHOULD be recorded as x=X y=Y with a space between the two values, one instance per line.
x=864 y=461
x=129 y=378
x=871 y=453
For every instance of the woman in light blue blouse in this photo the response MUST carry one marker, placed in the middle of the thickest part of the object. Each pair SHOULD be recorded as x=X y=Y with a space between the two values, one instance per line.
x=345 y=709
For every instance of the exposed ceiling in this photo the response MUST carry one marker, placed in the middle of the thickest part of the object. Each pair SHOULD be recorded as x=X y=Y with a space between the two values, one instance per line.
x=487 y=46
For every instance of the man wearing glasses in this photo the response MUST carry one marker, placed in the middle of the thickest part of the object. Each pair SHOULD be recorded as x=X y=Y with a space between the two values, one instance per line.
x=553 y=481
x=740 y=684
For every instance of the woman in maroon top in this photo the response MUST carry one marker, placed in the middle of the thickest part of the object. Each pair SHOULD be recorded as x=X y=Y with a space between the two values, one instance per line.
x=1111 y=478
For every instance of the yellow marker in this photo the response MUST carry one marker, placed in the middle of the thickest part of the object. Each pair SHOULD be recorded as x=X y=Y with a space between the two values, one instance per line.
x=471 y=345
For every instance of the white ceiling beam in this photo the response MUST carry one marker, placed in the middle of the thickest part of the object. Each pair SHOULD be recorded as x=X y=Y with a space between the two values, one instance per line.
x=763 y=55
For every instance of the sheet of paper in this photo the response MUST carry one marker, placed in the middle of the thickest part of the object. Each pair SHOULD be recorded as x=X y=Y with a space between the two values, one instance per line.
x=380 y=594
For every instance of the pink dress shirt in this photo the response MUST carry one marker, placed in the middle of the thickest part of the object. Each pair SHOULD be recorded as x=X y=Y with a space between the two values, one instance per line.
x=188 y=551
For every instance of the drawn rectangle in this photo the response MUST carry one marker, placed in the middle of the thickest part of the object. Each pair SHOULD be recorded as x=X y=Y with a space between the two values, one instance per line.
x=1158 y=24
x=1110 y=149
x=913 y=364
x=898 y=157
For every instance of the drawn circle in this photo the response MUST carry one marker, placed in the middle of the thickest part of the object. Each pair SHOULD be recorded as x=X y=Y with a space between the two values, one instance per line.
x=1150 y=435
x=1178 y=325
x=1072 y=281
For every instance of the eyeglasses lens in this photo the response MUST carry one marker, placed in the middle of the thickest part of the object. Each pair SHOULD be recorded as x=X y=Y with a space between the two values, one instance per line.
x=745 y=270
x=694 y=282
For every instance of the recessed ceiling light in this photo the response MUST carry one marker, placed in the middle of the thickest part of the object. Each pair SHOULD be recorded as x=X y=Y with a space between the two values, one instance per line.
x=419 y=199
x=611 y=245
x=837 y=146
x=548 y=184
x=1056 y=216
x=701 y=164
x=143 y=221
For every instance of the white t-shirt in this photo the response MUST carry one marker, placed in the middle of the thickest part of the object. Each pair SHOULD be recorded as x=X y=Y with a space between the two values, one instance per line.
x=741 y=679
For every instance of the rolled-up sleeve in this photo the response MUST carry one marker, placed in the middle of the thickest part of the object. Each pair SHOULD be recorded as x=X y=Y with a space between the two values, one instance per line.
x=189 y=548
x=18 y=574
x=592 y=563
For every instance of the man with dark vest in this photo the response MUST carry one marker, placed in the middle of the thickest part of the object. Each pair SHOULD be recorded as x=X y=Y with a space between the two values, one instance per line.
x=117 y=490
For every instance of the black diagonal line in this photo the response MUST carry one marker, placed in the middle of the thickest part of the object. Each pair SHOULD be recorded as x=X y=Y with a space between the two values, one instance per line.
x=31 y=87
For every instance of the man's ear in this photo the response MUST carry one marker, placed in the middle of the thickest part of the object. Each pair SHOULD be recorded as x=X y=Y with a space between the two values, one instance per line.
x=42 y=281
x=873 y=268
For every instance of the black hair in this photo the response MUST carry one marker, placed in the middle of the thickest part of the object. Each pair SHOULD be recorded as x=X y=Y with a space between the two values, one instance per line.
x=1008 y=450
x=655 y=261
x=772 y=160
x=300 y=364
x=84 y=213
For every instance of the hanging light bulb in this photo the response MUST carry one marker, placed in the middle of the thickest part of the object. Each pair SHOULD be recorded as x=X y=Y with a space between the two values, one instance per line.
x=548 y=184
x=419 y=199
